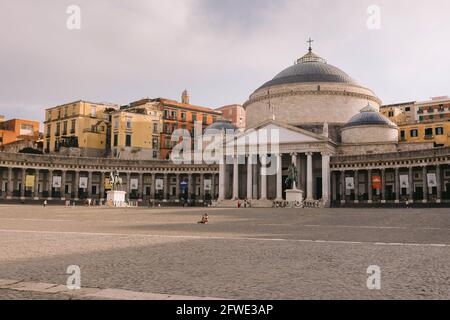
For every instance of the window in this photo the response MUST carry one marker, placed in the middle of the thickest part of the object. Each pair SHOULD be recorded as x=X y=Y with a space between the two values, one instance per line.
x=166 y=114
x=116 y=124
x=128 y=124
x=194 y=116
x=74 y=109
x=391 y=114
x=205 y=119
x=93 y=111
x=431 y=117
x=440 y=131
x=49 y=130
x=49 y=116
x=174 y=115
x=155 y=128
x=116 y=140
x=421 y=118
x=58 y=129
x=155 y=155
x=402 y=135
x=64 y=127
x=428 y=133
x=183 y=116
x=26 y=129
x=167 y=144
x=414 y=133
x=408 y=109
x=74 y=123
x=128 y=140
x=155 y=143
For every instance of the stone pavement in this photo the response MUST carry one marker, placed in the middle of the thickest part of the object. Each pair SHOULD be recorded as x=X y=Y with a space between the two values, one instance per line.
x=241 y=254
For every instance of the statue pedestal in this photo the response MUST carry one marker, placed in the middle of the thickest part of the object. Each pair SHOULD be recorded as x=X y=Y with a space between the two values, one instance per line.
x=116 y=199
x=294 y=195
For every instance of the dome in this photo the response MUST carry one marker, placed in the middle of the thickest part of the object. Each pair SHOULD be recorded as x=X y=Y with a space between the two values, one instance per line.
x=221 y=125
x=369 y=116
x=310 y=69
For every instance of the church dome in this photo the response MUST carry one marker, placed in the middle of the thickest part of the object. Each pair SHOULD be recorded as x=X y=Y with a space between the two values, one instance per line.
x=310 y=69
x=369 y=116
x=309 y=92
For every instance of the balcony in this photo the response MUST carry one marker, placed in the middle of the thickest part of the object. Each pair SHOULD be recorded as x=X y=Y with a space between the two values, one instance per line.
x=429 y=137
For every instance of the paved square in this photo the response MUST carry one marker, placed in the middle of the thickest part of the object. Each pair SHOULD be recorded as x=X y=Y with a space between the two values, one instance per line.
x=241 y=254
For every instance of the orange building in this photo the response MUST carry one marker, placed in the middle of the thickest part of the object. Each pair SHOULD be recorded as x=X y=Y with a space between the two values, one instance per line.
x=178 y=115
x=17 y=129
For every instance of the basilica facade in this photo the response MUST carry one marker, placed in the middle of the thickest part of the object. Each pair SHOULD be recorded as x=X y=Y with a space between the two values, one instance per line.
x=328 y=126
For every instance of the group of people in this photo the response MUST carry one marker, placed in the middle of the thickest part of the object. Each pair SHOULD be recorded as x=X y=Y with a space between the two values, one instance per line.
x=245 y=204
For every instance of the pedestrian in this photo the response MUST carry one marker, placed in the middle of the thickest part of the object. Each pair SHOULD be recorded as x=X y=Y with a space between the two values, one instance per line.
x=45 y=203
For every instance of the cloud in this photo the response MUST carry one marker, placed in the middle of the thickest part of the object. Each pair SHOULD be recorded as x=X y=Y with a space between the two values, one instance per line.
x=219 y=50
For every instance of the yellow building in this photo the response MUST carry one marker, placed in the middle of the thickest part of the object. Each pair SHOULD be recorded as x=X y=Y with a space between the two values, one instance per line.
x=79 y=128
x=422 y=132
x=400 y=113
x=135 y=133
x=422 y=121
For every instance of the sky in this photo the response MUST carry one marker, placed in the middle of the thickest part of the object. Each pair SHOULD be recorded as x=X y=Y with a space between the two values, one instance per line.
x=219 y=50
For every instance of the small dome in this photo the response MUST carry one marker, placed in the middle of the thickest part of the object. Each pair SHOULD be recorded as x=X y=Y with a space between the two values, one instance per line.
x=369 y=116
x=221 y=125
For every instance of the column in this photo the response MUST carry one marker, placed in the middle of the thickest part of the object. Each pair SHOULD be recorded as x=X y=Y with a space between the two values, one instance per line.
x=177 y=188
x=309 y=177
x=250 y=177
x=191 y=190
x=63 y=185
x=36 y=185
x=356 y=178
x=166 y=187
x=333 y=185
x=202 y=187
x=22 y=187
x=128 y=184
x=222 y=172
x=102 y=186
x=50 y=184
x=9 y=191
x=411 y=184
x=425 y=184
x=89 y=186
x=152 y=186
x=439 y=184
x=279 y=178
x=213 y=186
x=326 y=179
x=383 y=185
x=343 y=188
x=77 y=186
x=141 y=187
x=397 y=185
x=263 y=178
x=369 y=185
x=235 y=177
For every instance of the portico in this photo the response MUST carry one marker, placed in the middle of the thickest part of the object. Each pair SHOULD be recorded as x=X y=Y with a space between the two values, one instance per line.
x=257 y=171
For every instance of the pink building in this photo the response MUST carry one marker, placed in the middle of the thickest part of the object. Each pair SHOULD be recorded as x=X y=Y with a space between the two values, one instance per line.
x=234 y=113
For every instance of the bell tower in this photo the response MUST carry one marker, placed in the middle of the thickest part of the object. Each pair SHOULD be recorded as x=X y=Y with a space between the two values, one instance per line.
x=185 y=97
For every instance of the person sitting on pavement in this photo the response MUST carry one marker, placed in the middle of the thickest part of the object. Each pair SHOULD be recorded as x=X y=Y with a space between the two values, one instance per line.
x=205 y=219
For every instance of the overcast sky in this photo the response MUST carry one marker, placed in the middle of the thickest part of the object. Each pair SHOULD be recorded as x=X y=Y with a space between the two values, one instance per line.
x=219 y=50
